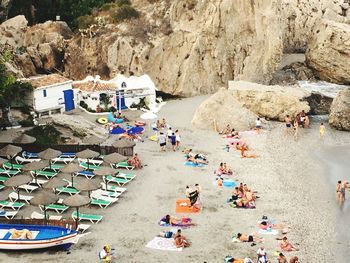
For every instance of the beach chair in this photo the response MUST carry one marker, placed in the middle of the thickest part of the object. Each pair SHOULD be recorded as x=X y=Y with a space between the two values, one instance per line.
x=125 y=176
x=96 y=162
x=48 y=175
x=9 y=172
x=85 y=173
x=90 y=167
x=98 y=195
x=36 y=215
x=64 y=159
x=100 y=202
x=58 y=208
x=39 y=182
x=83 y=227
x=94 y=219
x=29 y=155
x=14 y=166
x=28 y=188
x=3 y=179
x=116 y=180
x=12 y=205
x=67 y=190
x=14 y=197
x=9 y=214
x=113 y=188
x=124 y=165
x=54 y=167
x=100 y=192
x=21 y=160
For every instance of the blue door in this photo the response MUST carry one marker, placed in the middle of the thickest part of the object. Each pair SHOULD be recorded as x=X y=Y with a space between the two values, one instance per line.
x=68 y=99
x=120 y=100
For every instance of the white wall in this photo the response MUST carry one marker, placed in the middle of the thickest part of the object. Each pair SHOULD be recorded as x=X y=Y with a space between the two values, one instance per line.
x=54 y=97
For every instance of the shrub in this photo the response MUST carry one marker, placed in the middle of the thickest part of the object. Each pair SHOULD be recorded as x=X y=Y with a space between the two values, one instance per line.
x=46 y=134
x=26 y=123
x=83 y=104
x=122 y=2
x=125 y=12
x=84 y=22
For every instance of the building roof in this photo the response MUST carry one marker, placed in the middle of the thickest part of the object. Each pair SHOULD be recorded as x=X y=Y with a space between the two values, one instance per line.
x=91 y=86
x=46 y=80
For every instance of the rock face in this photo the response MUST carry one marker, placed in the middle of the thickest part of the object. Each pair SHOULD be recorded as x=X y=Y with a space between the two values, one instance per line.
x=221 y=109
x=328 y=52
x=339 y=117
x=271 y=102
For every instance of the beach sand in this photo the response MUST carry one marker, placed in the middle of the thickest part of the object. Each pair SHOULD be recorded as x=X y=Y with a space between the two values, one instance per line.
x=287 y=175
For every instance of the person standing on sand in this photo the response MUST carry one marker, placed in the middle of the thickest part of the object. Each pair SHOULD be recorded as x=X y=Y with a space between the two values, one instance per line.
x=322 y=130
x=343 y=187
x=178 y=139
x=288 y=122
x=162 y=141
x=296 y=130
x=338 y=192
x=173 y=141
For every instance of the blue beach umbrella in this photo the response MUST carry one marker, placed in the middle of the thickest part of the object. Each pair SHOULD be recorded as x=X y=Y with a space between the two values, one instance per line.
x=136 y=130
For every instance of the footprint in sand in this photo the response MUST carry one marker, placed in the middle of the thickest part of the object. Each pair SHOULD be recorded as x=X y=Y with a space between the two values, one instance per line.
x=171 y=168
x=211 y=209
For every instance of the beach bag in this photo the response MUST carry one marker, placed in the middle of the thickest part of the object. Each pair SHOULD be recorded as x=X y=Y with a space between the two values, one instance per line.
x=168 y=234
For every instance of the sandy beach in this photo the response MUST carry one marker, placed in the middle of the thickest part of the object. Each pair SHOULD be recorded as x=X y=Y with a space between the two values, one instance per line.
x=288 y=177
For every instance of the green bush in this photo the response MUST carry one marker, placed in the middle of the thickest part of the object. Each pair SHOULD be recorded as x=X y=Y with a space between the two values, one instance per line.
x=84 y=22
x=83 y=104
x=125 y=12
x=46 y=134
x=108 y=6
x=26 y=123
x=122 y=2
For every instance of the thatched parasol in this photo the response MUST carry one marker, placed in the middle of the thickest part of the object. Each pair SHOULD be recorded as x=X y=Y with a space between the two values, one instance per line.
x=114 y=158
x=87 y=154
x=49 y=154
x=87 y=185
x=4 y=194
x=77 y=201
x=24 y=139
x=104 y=171
x=122 y=143
x=33 y=166
x=2 y=161
x=71 y=168
x=17 y=181
x=10 y=151
x=55 y=182
x=44 y=199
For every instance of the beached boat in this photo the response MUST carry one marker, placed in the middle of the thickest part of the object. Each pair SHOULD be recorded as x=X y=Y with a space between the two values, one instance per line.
x=40 y=237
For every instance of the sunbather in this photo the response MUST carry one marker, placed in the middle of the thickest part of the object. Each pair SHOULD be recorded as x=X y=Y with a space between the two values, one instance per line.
x=20 y=234
x=245 y=154
x=192 y=194
x=195 y=158
x=285 y=245
x=282 y=258
x=166 y=234
x=249 y=238
x=294 y=259
x=135 y=161
x=106 y=255
x=173 y=221
x=226 y=130
x=180 y=240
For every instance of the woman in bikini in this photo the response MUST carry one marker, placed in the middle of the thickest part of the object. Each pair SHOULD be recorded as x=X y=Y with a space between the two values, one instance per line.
x=338 y=192
x=173 y=221
x=249 y=238
x=288 y=122
x=296 y=129
x=285 y=245
x=180 y=240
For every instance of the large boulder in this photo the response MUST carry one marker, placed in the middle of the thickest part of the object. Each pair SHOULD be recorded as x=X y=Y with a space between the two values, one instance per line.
x=339 y=117
x=12 y=31
x=328 y=52
x=272 y=102
x=221 y=109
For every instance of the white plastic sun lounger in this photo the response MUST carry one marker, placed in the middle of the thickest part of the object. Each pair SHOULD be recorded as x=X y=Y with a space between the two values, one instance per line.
x=100 y=192
x=83 y=227
x=28 y=188
x=9 y=214
x=113 y=188
x=36 y=215
x=14 y=197
x=21 y=160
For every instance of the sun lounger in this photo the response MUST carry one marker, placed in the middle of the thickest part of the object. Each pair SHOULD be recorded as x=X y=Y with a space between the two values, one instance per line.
x=9 y=214
x=126 y=176
x=28 y=155
x=28 y=188
x=63 y=159
x=58 y=208
x=67 y=190
x=90 y=167
x=12 y=205
x=21 y=160
x=38 y=182
x=124 y=165
x=9 y=172
x=48 y=175
x=96 y=162
x=100 y=202
x=116 y=180
x=113 y=188
x=98 y=195
x=3 y=179
x=100 y=192
x=36 y=215
x=14 y=197
x=83 y=227
x=94 y=219
x=87 y=174
x=13 y=166
x=54 y=167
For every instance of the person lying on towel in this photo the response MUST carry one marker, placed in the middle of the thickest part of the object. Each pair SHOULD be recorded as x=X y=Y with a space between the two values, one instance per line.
x=169 y=220
x=249 y=238
x=195 y=158
x=20 y=234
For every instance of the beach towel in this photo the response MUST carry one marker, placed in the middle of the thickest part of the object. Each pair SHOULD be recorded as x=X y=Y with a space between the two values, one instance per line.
x=162 y=243
x=183 y=206
x=246 y=207
x=153 y=137
x=117 y=130
x=183 y=224
x=188 y=163
x=268 y=231
x=229 y=183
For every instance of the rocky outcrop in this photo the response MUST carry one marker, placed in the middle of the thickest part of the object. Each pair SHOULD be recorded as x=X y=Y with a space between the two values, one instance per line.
x=292 y=73
x=328 y=52
x=221 y=109
x=271 y=102
x=339 y=116
x=319 y=103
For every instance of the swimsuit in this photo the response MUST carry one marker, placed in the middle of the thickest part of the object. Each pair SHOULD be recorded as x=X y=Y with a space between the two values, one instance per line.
x=250 y=239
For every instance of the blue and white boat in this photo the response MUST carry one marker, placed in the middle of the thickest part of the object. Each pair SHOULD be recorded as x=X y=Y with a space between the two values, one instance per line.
x=42 y=236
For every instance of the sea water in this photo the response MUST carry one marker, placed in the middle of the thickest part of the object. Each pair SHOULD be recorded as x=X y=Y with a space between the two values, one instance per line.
x=323 y=87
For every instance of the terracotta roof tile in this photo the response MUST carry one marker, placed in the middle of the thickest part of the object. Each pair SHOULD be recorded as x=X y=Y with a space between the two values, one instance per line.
x=46 y=80
x=91 y=86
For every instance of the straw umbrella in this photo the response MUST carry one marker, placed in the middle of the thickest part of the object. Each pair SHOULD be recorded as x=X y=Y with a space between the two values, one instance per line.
x=4 y=194
x=122 y=143
x=17 y=181
x=87 y=154
x=114 y=158
x=55 y=182
x=104 y=171
x=71 y=168
x=87 y=185
x=49 y=154
x=33 y=166
x=2 y=161
x=24 y=139
x=10 y=151
x=77 y=201
x=44 y=199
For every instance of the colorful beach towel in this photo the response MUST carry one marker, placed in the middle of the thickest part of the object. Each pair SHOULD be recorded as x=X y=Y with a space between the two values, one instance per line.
x=183 y=206
x=188 y=163
x=162 y=243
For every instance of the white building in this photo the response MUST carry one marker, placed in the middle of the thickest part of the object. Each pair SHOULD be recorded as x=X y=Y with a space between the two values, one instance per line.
x=51 y=92
x=97 y=93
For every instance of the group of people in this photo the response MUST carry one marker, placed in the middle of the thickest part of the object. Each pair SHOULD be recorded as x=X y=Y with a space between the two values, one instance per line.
x=243 y=197
x=223 y=169
x=197 y=158
x=173 y=137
